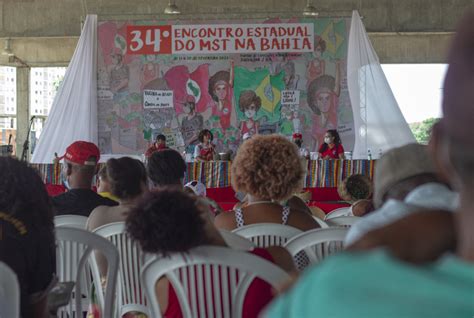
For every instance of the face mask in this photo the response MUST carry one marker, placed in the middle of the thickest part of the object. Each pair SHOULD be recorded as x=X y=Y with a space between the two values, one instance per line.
x=250 y=113
x=327 y=140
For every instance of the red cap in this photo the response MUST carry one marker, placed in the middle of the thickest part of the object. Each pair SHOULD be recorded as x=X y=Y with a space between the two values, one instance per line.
x=82 y=153
x=297 y=136
x=189 y=99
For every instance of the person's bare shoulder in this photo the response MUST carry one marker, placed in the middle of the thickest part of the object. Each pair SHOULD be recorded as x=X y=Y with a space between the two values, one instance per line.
x=98 y=217
x=282 y=258
x=225 y=221
x=302 y=220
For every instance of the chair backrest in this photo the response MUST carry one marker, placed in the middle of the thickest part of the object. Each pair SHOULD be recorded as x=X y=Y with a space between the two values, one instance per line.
x=318 y=244
x=267 y=234
x=130 y=293
x=321 y=223
x=74 y=247
x=9 y=292
x=337 y=213
x=343 y=221
x=70 y=220
x=196 y=277
x=236 y=241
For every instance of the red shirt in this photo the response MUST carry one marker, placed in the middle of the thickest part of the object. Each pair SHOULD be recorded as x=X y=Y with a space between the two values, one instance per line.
x=154 y=148
x=259 y=294
x=333 y=152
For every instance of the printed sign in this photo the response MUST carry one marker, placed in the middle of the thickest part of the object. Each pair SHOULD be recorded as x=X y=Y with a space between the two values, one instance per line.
x=290 y=98
x=157 y=99
x=221 y=39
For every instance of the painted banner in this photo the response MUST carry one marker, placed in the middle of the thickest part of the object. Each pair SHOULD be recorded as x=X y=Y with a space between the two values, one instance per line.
x=220 y=39
x=177 y=78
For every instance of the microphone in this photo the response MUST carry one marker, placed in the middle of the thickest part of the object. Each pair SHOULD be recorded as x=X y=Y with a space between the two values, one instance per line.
x=32 y=117
x=10 y=139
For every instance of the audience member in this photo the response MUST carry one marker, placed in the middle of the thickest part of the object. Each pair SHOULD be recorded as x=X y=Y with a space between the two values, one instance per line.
x=269 y=170
x=357 y=190
x=79 y=168
x=171 y=221
x=442 y=289
x=399 y=172
x=27 y=243
x=103 y=184
x=166 y=168
x=127 y=178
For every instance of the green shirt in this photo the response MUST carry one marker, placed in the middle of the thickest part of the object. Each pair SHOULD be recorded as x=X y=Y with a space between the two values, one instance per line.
x=376 y=285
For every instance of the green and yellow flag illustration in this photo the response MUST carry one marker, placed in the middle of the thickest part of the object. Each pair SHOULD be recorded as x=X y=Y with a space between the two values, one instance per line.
x=268 y=87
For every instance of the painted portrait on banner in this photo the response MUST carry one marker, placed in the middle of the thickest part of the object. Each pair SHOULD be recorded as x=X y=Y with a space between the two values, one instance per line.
x=253 y=77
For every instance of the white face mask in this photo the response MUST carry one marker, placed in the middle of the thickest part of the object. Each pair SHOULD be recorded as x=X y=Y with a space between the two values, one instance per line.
x=250 y=113
x=327 y=140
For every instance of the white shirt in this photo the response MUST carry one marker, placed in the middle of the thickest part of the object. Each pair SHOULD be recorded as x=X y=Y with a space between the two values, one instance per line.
x=304 y=153
x=429 y=195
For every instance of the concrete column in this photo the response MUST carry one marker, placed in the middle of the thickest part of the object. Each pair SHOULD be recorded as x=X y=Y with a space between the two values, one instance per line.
x=22 y=108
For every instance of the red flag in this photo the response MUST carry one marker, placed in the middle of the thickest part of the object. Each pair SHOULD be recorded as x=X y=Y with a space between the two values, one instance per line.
x=184 y=83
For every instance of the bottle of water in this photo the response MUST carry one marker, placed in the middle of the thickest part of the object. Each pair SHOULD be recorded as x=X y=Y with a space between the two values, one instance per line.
x=369 y=154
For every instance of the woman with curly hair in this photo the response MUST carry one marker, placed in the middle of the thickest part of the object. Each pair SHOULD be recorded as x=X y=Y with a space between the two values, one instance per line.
x=27 y=243
x=249 y=104
x=269 y=170
x=205 y=150
x=172 y=221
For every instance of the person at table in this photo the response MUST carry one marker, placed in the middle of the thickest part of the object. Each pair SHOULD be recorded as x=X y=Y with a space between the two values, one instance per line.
x=159 y=144
x=205 y=151
x=298 y=140
x=332 y=146
x=172 y=221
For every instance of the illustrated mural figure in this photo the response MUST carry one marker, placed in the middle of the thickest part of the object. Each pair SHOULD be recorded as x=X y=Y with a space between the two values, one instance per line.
x=249 y=104
x=323 y=95
x=317 y=66
x=191 y=123
x=220 y=89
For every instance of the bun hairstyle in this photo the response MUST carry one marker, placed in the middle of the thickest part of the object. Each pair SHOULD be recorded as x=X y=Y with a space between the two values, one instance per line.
x=167 y=221
x=126 y=176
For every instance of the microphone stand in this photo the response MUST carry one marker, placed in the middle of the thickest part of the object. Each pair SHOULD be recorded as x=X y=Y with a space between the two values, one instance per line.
x=26 y=144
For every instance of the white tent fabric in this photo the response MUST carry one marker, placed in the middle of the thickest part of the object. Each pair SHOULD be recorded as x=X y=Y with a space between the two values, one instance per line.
x=378 y=122
x=74 y=111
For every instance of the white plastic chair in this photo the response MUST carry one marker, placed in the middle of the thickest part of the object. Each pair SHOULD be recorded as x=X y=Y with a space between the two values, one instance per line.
x=196 y=278
x=70 y=220
x=267 y=234
x=74 y=247
x=321 y=223
x=130 y=294
x=236 y=241
x=343 y=221
x=9 y=292
x=337 y=213
x=318 y=243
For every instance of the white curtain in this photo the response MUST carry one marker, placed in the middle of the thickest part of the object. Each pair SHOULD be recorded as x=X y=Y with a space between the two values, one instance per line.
x=74 y=111
x=378 y=122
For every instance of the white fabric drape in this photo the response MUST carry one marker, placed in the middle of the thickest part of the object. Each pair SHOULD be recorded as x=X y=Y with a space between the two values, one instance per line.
x=74 y=111
x=378 y=122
